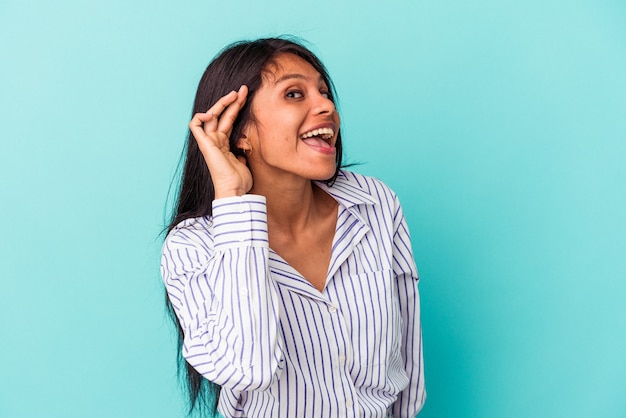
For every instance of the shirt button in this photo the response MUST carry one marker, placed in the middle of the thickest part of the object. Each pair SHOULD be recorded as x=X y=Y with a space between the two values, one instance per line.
x=332 y=309
x=342 y=359
x=242 y=238
x=349 y=403
x=241 y=208
x=243 y=291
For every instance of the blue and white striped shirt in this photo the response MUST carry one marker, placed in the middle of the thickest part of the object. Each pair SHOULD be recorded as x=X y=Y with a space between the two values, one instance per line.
x=278 y=346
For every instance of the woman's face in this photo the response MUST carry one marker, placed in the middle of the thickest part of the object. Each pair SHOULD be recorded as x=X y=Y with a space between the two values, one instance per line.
x=296 y=124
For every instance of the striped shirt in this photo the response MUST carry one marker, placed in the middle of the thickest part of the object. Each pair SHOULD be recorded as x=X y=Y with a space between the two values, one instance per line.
x=278 y=346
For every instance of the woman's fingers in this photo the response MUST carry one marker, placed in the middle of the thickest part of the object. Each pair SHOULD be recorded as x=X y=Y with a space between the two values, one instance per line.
x=197 y=123
x=225 y=111
x=227 y=118
x=230 y=175
x=219 y=118
x=212 y=129
x=197 y=126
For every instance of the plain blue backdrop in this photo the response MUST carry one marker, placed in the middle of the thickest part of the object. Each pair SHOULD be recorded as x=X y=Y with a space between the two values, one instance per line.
x=500 y=124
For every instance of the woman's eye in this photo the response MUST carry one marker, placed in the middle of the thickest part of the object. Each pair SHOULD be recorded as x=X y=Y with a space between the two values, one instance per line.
x=325 y=94
x=294 y=94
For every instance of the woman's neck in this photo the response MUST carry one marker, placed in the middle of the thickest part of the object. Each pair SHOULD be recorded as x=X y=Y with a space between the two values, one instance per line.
x=295 y=205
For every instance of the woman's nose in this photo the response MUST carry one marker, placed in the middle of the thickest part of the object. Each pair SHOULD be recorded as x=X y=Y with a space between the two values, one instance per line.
x=324 y=104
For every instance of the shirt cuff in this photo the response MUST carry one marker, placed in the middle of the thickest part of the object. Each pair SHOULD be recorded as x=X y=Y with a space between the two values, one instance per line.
x=240 y=221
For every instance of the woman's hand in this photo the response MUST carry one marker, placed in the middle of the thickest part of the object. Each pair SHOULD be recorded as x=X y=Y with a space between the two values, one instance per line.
x=231 y=176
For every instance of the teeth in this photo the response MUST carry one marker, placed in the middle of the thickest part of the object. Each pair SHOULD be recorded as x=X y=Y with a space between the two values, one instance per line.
x=324 y=133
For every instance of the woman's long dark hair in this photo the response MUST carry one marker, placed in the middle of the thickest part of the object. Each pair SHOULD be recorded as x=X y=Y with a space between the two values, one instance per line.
x=238 y=64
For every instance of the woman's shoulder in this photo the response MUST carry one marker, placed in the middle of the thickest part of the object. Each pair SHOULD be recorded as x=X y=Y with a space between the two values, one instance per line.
x=201 y=223
x=191 y=232
x=372 y=186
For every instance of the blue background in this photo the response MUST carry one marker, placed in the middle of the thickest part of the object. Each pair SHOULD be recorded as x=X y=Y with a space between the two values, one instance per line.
x=500 y=124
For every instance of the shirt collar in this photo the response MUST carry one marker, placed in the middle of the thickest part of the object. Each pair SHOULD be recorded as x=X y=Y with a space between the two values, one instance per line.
x=347 y=191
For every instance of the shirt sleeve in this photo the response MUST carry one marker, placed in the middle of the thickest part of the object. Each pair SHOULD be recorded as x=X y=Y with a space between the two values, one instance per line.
x=217 y=277
x=411 y=399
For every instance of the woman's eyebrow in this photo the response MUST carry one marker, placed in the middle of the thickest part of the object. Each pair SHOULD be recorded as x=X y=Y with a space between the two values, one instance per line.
x=292 y=76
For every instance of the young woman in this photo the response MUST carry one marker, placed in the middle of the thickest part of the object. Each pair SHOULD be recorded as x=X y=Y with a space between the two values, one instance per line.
x=292 y=281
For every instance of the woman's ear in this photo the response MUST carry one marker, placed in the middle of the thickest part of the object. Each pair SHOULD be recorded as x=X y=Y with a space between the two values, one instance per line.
x=244 y=144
